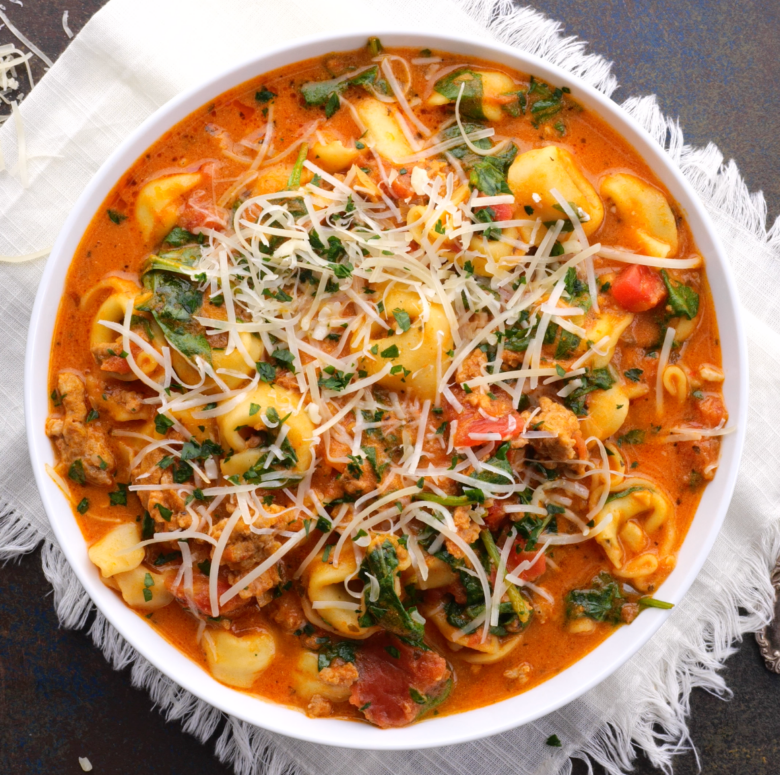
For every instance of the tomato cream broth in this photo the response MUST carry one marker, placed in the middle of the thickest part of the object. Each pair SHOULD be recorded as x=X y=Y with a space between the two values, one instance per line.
x=409 y=623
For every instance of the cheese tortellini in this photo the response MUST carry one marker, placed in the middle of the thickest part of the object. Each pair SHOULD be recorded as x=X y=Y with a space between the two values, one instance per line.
x=607 y=411
x=252 y=413
x=494 y=86
x=440 y=574
x=333 y=156
x=113 y=309
x=610 y=324
x=470 y=646
x=143 y=589
x=647 y=222
x=306 y=681
x=114 y=552
x=238 y=661
x=325 y=583
x=422 y=350
x=640 y=532
x=535 y=172
x=159 y=203
x=384 y=133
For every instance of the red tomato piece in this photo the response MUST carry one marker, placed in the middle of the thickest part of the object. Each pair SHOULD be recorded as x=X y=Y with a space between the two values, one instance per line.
x=390 y=673
x=201 y=212
x=638 y=288
x=116 y=365
x=508 y=426
x=495 y=516
x=500 y=212
x=401 y=187
x=516 y=557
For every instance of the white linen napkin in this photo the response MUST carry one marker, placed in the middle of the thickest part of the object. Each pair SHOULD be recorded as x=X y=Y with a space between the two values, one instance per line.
x=116 y=72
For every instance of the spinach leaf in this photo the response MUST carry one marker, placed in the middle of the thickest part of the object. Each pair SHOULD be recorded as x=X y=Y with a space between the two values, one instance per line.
x=613 y=496
x=683 y=300
x=469 y=496
x=567 y=344
x=294 y=181
x=545 y=102
x=178 y=237
x=173 y=303
x=602 y=602
x=597 y=379
x=516 y=106
x=576 y=289
x=489 y=173
x=387 y=610
x=530 y=527
x=498 y=461
x=463 y=151
x=320 y=92
x=471 y=83
x=179 y=261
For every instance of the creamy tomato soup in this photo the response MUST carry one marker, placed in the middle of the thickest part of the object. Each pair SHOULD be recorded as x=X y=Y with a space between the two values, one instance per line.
x=387 y=384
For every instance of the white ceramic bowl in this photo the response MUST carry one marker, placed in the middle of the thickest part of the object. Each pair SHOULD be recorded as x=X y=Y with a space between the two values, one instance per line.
x=537 y=702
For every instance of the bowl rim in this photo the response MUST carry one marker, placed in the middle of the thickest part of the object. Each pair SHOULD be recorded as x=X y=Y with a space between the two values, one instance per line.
x=556 y=691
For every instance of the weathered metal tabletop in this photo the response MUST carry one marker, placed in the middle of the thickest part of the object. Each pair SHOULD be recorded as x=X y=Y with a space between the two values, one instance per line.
x=713 y=63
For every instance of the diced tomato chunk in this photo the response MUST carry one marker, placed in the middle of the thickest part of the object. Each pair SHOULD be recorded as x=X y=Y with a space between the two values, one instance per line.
x=201 y=212
x=116 y=365
x=401 y=187
x=517 y=555
x=472 y=424
x=392 y=676
x=638 y=288
x=496 y=514
x=713 y=411
x=500 y=212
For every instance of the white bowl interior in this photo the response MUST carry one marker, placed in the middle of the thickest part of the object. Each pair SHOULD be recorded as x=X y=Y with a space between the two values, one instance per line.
x=439 y=731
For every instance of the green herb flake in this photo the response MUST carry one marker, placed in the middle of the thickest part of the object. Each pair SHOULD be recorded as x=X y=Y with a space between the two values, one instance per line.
x=118 y=497
x=633 y=374
x=635 y=436
x=164 y=559
x=266 y=371
x=683 y=300
x=147 y=527
x=162 y=424
x=264 y=95
x=76 y=472
x=390 y=352
x=402 y=318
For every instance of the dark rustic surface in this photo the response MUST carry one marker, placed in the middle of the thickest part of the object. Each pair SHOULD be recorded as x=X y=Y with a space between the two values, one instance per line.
x=713 y=63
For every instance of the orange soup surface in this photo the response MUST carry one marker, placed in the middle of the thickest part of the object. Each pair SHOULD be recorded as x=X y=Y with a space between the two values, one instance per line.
x=387 y=384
